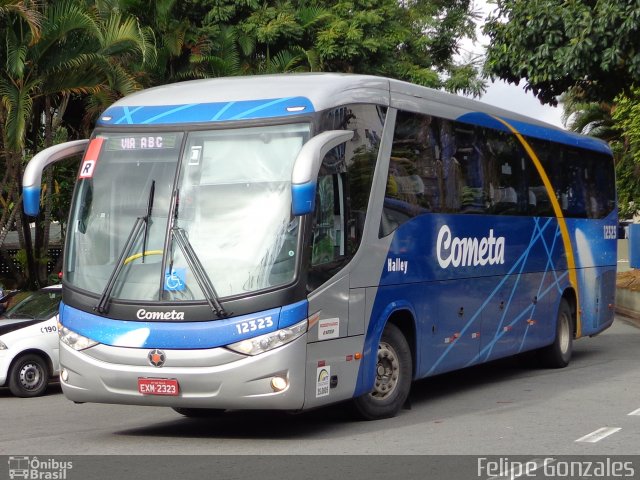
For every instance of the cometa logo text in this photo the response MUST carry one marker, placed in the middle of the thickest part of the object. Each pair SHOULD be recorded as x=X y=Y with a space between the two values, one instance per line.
x=143 y=314
x=468 y=252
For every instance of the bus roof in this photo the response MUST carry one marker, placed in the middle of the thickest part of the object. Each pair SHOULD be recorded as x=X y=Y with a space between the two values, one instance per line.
x=268 y=96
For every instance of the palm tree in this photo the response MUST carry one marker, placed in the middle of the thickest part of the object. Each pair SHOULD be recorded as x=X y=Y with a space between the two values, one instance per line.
x=588 y=118
x=75 y=51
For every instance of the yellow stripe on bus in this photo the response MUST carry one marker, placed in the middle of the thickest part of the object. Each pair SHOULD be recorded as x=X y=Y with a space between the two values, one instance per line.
x=566 y=240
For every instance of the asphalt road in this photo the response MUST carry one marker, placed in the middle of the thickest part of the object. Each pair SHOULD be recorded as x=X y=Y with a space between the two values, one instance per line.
x=505 y=408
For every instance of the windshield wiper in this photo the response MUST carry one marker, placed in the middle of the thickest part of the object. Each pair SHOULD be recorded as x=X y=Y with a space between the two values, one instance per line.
x=148 y=219
x=198 y=271
x=101 y=307
x=140 y=223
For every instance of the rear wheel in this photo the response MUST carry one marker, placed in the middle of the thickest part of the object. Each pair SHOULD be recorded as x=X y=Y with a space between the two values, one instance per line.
x=29 y=376
x=393 y=377
x=199 y=412
x=558 y=354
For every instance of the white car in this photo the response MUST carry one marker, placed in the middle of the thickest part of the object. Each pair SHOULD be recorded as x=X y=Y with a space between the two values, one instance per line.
x=29 y=352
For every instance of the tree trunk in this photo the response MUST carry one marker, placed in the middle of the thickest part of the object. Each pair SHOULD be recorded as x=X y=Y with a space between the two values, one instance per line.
x=42 y=253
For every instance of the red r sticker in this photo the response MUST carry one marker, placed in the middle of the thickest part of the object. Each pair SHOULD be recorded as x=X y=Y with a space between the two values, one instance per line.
x=91 y=158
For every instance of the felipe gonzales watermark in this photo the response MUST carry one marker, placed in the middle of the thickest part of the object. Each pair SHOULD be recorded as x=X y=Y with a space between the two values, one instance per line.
x=602 y=468
x=34 y=468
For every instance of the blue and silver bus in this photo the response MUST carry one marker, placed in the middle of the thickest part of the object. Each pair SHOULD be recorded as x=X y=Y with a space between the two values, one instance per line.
x=290 y=241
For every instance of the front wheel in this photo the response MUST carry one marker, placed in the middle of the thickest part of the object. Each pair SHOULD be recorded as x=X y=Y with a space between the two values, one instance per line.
x=558 y=354
x=393 y=377
x=29 y=376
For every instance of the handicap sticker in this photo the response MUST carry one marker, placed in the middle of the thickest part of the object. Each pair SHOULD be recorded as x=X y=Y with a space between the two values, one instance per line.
x=174 y=281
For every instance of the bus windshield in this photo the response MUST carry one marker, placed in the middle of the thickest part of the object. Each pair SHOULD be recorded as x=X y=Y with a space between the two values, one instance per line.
x=226 y=193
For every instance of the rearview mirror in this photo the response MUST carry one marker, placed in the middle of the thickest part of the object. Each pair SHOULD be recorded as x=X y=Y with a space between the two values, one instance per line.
x=307 y=165
x=32 y=177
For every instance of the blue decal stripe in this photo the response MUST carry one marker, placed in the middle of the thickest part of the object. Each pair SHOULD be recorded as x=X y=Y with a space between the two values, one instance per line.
x=294 y=313
x=180 y=335
x=206 y=112
x=264 y=106
x=127 y=115
x=218 y=115
x=168 y=112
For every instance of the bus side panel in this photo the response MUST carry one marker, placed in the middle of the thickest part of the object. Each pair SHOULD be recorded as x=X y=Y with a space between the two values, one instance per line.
x=332 y=370
x=453 y=339
x=336 y=312
x=437 y=267
x=595 y=246
x=519 y=318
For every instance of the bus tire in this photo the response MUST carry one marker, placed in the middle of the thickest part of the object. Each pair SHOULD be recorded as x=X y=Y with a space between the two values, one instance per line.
x=29 y=376
x=558 y=354
x=199 y=412
x=393 y=378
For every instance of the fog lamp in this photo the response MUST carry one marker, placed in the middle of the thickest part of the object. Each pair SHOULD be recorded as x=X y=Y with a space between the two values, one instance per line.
x=279 y=384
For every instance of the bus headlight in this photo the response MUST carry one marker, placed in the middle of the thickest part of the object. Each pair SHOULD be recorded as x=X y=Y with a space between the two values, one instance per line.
x=269 y=341
x=73 y=339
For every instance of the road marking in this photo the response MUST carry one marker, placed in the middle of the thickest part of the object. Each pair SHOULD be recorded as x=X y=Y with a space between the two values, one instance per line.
x=599 y=434
x=635 y=412
x=523 y=469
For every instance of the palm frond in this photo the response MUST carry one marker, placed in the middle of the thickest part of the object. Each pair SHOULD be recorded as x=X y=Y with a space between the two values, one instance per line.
x=27 y=11
x=18 y=104
x=62 y=19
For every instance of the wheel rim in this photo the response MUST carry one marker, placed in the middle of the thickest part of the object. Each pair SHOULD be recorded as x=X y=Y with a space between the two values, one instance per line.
x=387 y=372
x=564 y=334
x=31 y=376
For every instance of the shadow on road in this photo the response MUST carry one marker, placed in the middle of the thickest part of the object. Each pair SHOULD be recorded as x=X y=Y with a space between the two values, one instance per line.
x=249 y=424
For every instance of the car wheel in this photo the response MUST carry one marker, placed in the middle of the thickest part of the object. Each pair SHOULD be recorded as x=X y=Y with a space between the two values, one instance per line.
x=199 y=412
x=29 y=376
x=558 y=354
x=393 y=378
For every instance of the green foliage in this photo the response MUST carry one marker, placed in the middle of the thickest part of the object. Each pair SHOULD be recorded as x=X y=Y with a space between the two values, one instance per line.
x=415 y=41
x=627 y=173
x=626 y=116
x=557 y=45
x=49 y=52
x=62 y=62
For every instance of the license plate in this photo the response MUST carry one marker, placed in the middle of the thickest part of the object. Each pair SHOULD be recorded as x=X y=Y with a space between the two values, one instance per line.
x=158 y=386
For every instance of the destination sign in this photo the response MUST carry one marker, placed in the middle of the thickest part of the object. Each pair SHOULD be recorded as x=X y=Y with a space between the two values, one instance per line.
x=141 y=142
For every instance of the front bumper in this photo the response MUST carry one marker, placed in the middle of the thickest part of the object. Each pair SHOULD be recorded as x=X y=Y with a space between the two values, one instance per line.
x=208 y=378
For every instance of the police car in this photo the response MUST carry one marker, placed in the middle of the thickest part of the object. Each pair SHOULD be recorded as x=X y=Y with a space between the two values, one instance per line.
x=29 y=343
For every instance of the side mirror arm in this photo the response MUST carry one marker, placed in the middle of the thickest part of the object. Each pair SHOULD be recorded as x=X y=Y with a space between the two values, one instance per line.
x=305 y=170
x=32 y=177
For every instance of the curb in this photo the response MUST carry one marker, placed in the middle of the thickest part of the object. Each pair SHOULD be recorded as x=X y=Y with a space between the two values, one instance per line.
x=628 y=304
x=629 y=316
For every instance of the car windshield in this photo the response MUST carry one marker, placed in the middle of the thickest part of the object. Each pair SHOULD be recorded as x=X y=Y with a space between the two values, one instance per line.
x=40 y=305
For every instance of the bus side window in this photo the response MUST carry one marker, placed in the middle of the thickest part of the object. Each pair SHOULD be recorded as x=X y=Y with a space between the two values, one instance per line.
x=328 y=230
x=328 y=241
x=344 y=186
x=414 y=180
